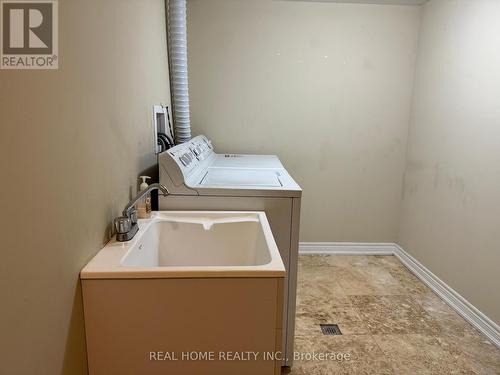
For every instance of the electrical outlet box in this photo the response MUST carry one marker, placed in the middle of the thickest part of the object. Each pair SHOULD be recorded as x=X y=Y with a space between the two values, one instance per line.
x=162 y=128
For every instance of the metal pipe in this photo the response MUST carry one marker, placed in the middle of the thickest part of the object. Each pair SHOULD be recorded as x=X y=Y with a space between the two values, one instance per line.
x=130 y=205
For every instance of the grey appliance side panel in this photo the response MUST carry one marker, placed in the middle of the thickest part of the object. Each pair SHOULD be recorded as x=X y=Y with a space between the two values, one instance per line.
x=292 y=279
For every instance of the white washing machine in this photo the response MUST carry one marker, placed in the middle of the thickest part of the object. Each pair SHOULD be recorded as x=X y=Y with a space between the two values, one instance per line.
x=200 y=179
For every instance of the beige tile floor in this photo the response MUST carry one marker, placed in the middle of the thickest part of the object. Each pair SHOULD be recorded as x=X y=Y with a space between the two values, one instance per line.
x=391 y=322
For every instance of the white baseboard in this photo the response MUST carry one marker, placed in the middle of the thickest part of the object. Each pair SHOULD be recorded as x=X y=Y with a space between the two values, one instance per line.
x=463 y=307
x=346 y=248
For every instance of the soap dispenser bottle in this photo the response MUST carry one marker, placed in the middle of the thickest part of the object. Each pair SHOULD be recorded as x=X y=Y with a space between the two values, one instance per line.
x=144 y=205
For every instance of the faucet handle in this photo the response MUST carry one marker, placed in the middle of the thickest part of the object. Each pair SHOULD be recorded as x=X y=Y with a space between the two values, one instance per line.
x=123 y=224
x=133 y=215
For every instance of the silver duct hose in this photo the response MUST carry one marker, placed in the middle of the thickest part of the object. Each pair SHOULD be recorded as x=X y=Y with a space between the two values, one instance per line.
x=177 y=34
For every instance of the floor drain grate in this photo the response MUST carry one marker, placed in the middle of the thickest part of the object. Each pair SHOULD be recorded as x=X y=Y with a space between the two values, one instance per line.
x=330 y=329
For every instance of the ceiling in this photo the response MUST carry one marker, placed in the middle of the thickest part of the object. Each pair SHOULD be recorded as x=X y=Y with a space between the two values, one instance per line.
x=393 y=2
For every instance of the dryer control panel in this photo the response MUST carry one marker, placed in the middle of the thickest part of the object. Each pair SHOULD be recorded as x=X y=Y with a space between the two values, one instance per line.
x=201 y=147
x=190 y=156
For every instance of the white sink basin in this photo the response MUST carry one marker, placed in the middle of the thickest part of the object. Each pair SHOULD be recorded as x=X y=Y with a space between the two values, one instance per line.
x=192 y=244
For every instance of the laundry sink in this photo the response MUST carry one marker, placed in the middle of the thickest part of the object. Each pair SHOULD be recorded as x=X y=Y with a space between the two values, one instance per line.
x=188 y=282
x=192 y=243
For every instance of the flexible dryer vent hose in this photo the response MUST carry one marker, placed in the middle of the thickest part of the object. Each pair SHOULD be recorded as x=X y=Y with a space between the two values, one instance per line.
x=177 y=35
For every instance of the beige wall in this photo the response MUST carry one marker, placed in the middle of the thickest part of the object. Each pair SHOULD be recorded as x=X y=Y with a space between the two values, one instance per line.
x=72 y=143
x=327 y=87
x=451 y=203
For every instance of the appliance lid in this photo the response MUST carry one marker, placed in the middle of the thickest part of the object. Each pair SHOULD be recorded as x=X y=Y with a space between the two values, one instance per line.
x=255 y=178
x=240 y=161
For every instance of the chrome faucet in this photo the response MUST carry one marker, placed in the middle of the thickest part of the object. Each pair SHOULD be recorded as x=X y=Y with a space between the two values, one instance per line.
x=126 y=225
